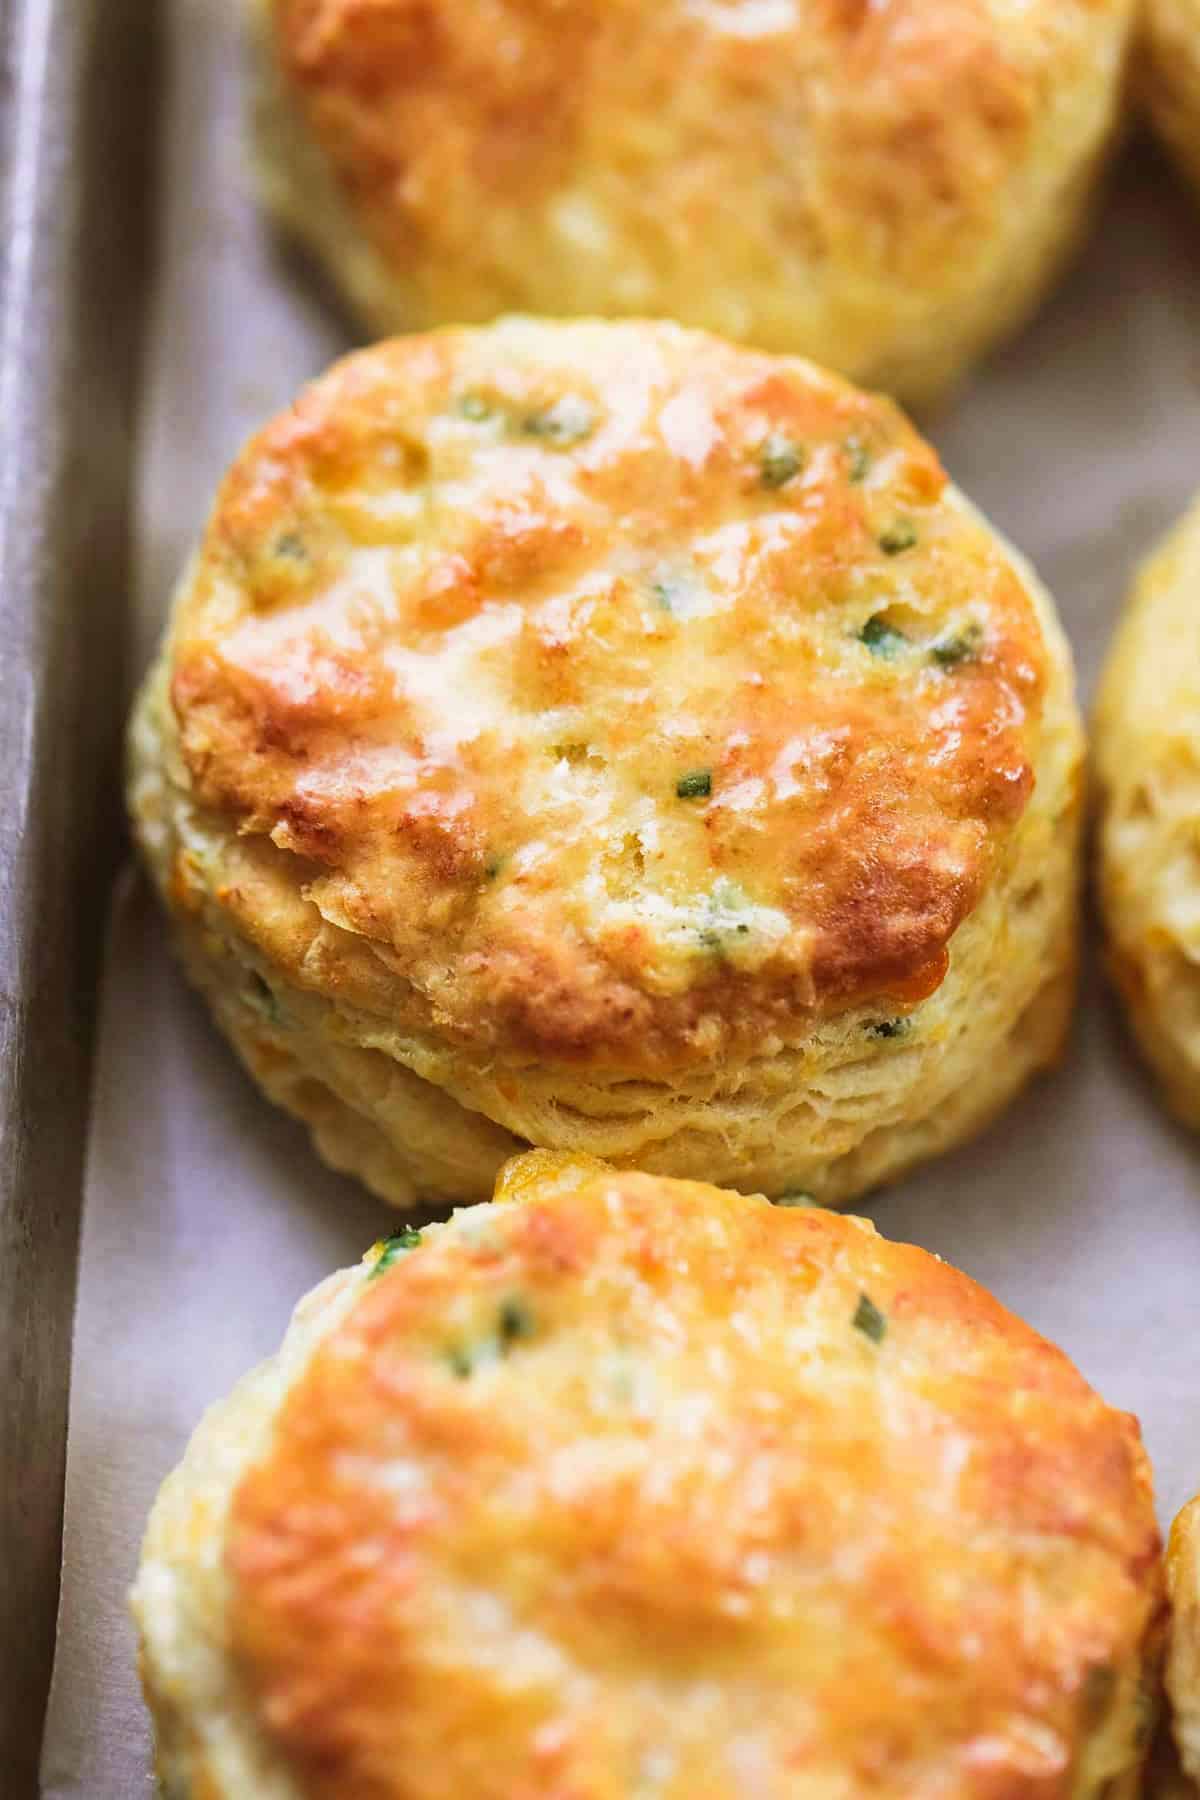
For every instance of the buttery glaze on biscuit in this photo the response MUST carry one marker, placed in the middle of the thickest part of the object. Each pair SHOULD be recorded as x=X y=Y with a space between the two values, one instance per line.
x=884 y=187
x=588 y=704
x=637 y=1487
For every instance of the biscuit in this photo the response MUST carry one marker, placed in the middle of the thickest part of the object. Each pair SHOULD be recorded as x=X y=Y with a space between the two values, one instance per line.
x=600 y=737
x=635 y=1486
x=1147 y=759
x=887 y=189
x=1170 y=77
x=1183 y=1659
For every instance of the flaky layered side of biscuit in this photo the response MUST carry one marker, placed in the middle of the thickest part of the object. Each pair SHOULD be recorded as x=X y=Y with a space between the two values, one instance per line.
x=1183 y=1660
x=1147 y=758
x=1183 y=1665
x=863 y=1098
x=632 y=1484
x=885 y=189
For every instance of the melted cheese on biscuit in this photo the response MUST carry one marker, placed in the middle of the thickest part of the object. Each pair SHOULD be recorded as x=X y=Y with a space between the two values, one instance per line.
x=628 y=692
x=640 y=1488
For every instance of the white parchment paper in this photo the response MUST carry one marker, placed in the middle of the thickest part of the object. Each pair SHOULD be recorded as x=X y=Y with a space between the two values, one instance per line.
x=207 y=1215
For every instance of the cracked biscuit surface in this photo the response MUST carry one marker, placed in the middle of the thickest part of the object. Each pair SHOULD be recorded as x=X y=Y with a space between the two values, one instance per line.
x=887 y=188
x=628 y=1486
x=601 y=737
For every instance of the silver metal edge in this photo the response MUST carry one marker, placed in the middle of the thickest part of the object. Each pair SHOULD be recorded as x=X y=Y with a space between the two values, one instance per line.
x=75 y=118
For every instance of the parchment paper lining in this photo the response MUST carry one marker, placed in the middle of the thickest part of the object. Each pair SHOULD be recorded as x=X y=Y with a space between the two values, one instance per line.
x=207 y=1216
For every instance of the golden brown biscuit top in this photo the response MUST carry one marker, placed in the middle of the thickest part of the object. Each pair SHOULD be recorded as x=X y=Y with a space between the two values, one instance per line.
x=629 y=693
x=646 y=1489
x=498 y=152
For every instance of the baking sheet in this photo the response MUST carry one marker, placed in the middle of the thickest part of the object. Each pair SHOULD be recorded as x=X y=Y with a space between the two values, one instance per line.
x=71 y=244
x=206 y=1213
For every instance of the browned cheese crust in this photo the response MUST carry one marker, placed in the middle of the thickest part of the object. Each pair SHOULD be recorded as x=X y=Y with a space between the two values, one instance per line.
x=628 y=696
x=646 y=1489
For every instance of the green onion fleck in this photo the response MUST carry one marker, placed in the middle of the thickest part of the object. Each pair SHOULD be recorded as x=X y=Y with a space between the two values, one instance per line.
x=291 y=545
x=516 y=1321
x=869 y=1320
x=959 y=647
x=881 y=638
x=681 y=595
x=568 y=421
x=889 y=1028
x=779 y=460
x=395 y=1247
x=695 y=785
x=475 y=408
x=794 y=1197
x=858 y=458
x=898 y=537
